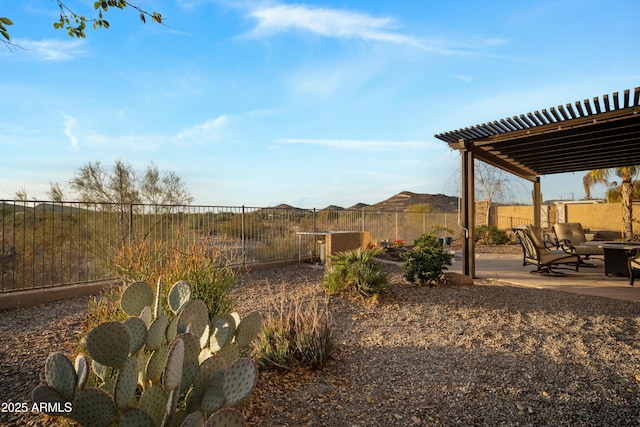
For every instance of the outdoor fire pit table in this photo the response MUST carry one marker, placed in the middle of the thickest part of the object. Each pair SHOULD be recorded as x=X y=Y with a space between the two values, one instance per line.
x=615 y=257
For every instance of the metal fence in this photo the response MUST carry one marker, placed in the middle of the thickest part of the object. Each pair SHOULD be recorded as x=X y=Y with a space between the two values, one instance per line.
x=44 y=243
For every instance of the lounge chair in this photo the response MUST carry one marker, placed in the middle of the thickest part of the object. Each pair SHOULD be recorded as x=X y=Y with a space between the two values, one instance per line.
x=572 y=239
x=536 y=253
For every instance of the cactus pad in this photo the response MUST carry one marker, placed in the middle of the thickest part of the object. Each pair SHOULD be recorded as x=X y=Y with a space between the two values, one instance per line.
x=179 y=295
x=239 y=379
x=196 y=314
x=154 y=401
x=224 y=328
x=230 y=353
x=45 y=393
x=93 y=407
x=157 y=305
x=155 y=365
x=195 y=419
x=191 y=347
x=172 y=374
x=212 y=369
x=136 y=417
x=172 y=329
x=136 y=297
x=109 y=343
x=138 y=331
x=146 y=315
x=155 y=334
x=213 y=397
x=126 y=383
x=190 y=362
x=248 y=329
x=81 y=366
x=60 y=374
x=100 y=370
x=226 y=417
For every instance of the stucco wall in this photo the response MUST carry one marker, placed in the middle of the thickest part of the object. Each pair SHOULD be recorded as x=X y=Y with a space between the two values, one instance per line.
x=593 y=216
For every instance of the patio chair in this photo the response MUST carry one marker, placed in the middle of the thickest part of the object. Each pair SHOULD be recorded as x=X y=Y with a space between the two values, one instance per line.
x=536 y=253
x=572 y=239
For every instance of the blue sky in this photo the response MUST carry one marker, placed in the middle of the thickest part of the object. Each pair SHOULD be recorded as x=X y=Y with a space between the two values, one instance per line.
x=324 y=102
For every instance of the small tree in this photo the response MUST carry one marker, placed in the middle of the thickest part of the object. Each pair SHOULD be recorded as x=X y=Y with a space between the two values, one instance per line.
x=493 y=184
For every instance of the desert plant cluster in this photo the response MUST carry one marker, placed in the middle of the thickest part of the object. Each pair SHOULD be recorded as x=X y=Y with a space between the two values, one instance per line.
x=179 y=367
x=179 y=356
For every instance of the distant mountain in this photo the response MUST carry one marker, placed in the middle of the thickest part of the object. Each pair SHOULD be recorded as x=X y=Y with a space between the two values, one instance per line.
x=404 y=199
x=359 y=206
x=333 y=208
x=400 y=202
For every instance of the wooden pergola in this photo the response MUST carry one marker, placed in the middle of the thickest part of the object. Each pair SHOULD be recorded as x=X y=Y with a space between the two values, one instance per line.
x=576 y=137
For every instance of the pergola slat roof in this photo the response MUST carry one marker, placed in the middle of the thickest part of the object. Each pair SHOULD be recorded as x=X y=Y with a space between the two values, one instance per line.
x=574 y=137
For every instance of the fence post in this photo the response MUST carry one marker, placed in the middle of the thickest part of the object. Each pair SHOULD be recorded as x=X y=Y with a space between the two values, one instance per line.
x=242 y=237
x=396 y=224
x=130 y=222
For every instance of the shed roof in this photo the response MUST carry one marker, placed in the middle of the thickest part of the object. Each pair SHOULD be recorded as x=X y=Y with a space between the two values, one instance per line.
x=581 y=136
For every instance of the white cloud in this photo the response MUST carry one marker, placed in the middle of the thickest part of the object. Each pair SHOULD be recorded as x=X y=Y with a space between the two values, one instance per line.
x=203 y=133
x=69 y=125
x=328 y=23
x=345 y=24
x=464 y=78
x=48 y=50
x=355 y=144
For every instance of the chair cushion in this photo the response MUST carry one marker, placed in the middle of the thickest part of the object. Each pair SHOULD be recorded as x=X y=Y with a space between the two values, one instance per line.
x=553 y=257
x=589 y=250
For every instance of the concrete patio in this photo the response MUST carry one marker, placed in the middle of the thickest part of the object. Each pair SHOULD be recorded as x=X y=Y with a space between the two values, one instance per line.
x=588 y=281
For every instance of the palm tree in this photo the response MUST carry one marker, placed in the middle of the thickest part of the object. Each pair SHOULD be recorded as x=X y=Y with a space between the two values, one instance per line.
x=628 y=174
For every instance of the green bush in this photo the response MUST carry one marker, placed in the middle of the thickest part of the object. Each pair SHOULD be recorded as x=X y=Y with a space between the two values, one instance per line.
x=490 y=235
x=425 y=262
x=356 y=271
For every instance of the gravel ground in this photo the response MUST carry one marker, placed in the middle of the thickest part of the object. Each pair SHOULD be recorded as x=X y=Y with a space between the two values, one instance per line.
x=481 y=354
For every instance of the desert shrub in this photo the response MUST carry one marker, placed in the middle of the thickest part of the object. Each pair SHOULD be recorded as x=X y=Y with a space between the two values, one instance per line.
x=425 y=262
x=206 y=267
x=277 y=248
x=297 y=329
x=356 y=271
x=490 y=235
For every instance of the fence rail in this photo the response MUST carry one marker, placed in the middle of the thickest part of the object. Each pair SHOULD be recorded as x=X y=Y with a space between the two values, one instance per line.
x=44 y=243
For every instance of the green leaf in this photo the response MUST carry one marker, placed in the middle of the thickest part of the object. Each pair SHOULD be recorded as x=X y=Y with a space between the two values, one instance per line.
x=6 y=21
x=96 y=5
x=5 y=34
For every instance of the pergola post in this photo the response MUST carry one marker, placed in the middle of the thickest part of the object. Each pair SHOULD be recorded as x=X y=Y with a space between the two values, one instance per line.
x=537 y=203
x=468 y=211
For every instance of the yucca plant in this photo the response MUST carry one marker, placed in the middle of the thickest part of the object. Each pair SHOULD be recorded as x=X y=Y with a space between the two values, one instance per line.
x=356 y=271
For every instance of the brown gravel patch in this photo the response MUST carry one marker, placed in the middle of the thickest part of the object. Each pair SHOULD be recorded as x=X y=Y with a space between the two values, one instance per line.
x=484 y=354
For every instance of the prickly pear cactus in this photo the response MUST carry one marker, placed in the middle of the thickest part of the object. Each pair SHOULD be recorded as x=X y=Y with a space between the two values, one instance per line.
x=138 y=372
